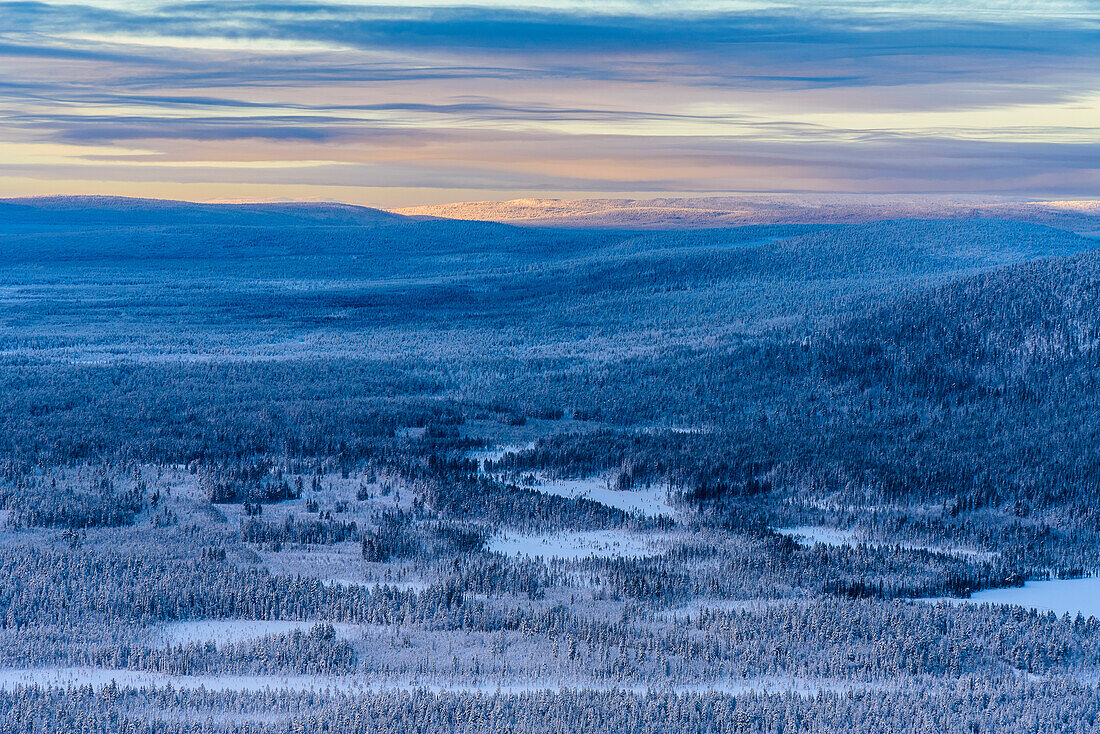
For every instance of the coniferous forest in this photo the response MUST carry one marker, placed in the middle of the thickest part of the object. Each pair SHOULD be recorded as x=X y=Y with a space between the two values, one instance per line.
x=323 y=468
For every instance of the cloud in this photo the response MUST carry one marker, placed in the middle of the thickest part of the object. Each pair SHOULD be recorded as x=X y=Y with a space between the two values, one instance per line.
x=721 y=49
x=699 y=96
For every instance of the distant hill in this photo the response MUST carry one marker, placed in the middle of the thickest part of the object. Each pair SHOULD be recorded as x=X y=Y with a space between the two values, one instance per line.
x=912 y=246
x=107 y=229
x=1077 y=216
x=102 y=210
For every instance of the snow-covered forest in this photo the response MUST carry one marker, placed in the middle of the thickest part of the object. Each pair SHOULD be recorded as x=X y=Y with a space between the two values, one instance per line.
x=285 y=468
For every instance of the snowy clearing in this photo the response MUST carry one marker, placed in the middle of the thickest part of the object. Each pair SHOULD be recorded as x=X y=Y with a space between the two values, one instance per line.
x=374 y=584
x=694 y=607
x=579 y=544
x=96 y=677
x=99 y=677
x=496 y=454
x=810 y=535
x=652 y=501
x=225 y=631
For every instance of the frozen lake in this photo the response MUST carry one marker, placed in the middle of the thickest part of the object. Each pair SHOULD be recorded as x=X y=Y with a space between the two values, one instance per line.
x=1061 y=596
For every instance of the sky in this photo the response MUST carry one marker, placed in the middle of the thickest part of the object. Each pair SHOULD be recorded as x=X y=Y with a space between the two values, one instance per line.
x=431 y=101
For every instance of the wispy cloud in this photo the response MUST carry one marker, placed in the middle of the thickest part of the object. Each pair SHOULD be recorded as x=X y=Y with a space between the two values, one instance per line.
x=620 y=96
